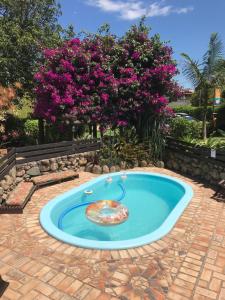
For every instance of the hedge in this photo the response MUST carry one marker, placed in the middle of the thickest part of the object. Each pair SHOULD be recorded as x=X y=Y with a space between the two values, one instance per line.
x=197 y=112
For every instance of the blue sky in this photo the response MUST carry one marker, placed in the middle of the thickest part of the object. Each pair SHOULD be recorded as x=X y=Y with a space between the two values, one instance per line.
x=187 y=24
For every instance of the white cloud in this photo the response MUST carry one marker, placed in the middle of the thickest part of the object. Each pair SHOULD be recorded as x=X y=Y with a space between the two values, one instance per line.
x=134 y=9
x=183 y=10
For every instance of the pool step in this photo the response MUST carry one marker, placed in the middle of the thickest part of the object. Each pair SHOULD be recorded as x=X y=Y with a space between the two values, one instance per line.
x=22 y=193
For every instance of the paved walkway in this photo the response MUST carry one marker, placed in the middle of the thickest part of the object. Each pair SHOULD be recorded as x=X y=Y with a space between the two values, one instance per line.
x=189 y=263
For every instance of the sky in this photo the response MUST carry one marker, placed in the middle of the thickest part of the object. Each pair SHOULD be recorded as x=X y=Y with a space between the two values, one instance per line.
x=185 y=24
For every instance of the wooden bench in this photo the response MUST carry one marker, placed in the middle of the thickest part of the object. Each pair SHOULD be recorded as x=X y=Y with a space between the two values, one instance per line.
x=22 y=193
x=54 y=178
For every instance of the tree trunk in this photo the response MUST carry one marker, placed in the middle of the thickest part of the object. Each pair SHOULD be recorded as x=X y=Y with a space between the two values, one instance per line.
x=95 y=131
x=204 y=125
x=90 y=129
x=41 y=131
x=204 y=93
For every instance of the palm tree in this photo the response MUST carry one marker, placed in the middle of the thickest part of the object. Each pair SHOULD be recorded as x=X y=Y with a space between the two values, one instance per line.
x=208 y=74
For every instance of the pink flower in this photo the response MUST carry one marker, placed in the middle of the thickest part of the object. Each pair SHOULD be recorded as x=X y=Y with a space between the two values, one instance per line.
x=127 y=71
x=15 y=134
x=53 y=119
x=68 y=100
x=38 y=76
x=4 y=137
x=136 y=55
x=75 y=41
x=105 y=98
x=122 y=123
x=66 y=65
x=49 y=53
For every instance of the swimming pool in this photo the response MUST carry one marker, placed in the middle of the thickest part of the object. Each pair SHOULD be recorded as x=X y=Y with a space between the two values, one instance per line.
x=154 y=201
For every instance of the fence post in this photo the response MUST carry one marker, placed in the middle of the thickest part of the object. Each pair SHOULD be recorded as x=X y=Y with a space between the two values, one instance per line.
x=41 y=131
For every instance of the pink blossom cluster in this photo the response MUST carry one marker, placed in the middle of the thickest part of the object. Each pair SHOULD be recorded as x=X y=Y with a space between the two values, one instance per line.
x=106 y=85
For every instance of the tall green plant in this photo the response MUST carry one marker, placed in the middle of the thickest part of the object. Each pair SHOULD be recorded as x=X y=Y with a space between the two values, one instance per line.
x=208 y=74
x=27 y=27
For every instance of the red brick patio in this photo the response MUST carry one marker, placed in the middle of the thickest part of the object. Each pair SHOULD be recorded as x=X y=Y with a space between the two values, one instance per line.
x=189 y=263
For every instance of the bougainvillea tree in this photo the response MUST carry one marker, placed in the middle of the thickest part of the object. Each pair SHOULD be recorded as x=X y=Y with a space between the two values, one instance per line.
x=76 y=80
x=144 y=70
x=108 y=81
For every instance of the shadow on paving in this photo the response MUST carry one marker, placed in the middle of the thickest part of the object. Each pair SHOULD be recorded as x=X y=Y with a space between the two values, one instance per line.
x=219 y=193
x=3 y=286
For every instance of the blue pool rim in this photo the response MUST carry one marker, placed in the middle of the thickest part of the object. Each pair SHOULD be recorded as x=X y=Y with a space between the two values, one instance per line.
x=48 y=225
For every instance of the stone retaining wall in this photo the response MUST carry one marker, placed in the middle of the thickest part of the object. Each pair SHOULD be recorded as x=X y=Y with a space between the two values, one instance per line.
x=24 y=172
x=208 y=170
x=7 y=184
x=76 y=162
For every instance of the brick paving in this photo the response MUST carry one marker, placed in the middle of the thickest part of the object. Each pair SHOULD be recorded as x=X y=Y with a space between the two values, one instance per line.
x=188 y=263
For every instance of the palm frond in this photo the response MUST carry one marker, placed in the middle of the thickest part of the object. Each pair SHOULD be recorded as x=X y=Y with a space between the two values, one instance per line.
x=218 y=76
x=192 y=70
x=213 y=55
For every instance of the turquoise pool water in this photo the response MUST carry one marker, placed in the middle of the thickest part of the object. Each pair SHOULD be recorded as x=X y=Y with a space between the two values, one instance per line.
x=154 y=202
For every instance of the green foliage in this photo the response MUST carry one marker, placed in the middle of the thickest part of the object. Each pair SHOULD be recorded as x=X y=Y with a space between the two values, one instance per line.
x=218 y=133
x=108 y=155
x=31 y=128
x=223 y=94
x=54 y=134
x=212 y=142
x=26 y=27
x=13 y=131
x=221 y=117
x=122 y=149
x=17 y=131
x=184 y=129
x=196 y=97
x=23 y=107
x=12 y=122
x=207 y=75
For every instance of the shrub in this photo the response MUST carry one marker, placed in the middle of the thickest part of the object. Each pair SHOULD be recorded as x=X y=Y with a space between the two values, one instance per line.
x=212 y=142
x=16 y=132
x=12 y=122
x=57 y=132
x=31 y=128
x=182 y=128
x=61 y=131
x=14 y=138
x=23 y=107
x=116 y=150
